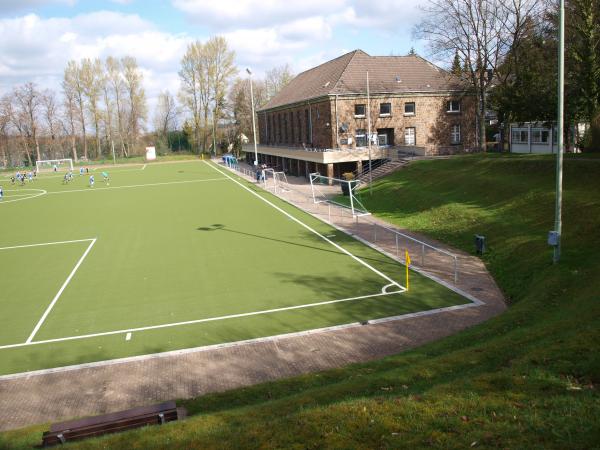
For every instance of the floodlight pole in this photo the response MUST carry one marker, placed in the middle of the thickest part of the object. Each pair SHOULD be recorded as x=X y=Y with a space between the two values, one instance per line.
x=253 y=121
x=559 y=152
x=112 y=145
x=369 y=135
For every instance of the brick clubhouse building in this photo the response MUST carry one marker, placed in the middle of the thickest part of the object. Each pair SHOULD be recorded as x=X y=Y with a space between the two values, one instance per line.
x=319 y=122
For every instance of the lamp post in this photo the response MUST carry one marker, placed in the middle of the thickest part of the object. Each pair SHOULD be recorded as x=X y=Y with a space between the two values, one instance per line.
x=559 y=152
x=253 y=122
x=369 y=136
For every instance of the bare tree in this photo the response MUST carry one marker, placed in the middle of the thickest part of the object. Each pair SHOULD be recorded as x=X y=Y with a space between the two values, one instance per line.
x=132 y=77
x=193 y=92
x=72 y=81
x=240 y=103
x=115 y=80
x=166 y=114
x=70 y=112
x=221 y=69
x=276 y=79
x=27 y=99
x=91 y=81
x=51 y=119
x=482 y=32
x=4 y=129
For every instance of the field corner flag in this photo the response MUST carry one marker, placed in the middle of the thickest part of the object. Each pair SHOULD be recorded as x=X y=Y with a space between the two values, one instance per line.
x=407 y=263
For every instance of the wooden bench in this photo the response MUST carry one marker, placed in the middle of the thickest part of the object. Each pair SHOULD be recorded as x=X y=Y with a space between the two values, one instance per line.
x=112 y=423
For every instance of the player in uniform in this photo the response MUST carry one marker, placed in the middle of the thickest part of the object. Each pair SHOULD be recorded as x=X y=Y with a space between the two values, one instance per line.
x=91 y=180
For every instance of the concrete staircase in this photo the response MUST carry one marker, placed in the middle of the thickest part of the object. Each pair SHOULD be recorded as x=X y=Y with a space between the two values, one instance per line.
x=381 y=170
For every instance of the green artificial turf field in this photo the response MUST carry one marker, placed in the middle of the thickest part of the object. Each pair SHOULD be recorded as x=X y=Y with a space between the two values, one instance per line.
x=173 y=256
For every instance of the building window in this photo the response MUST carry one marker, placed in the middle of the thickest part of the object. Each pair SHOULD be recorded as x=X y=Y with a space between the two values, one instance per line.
x=455 y=134
x=359 y=110
x=409 y=136
x=279 y=135
x=409 y=109
x=292 y=140
x=520 y=136
x=453 y=106
x=385 y=109
x=307 y=126
x=361 y=138
x=540 y=136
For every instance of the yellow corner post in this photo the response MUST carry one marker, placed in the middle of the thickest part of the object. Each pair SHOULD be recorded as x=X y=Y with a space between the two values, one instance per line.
x=407 y=263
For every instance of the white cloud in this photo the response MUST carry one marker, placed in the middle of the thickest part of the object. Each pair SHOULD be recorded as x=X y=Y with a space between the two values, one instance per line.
x=232 y=14
x=256 y=14
x=12 y=6
x=37 y=49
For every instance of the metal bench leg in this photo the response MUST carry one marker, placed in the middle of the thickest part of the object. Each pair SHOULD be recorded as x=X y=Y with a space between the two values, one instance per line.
x=161 y=416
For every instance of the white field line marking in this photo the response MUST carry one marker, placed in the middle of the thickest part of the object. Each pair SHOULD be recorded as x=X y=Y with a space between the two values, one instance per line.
x=40 y=192
x=128 y=337
x=47 y=243
x=191 y=322
x=312 y=230
x=17 y=195
x=135 y=186
x=207 y=348
x=60 y=291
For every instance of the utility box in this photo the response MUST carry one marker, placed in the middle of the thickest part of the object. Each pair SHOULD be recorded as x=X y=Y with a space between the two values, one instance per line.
x=553 y=238
x=479 y=244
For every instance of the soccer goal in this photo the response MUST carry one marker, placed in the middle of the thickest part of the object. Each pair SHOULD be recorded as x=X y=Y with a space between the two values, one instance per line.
x=47 y=165
x=274 y=181
x=342 y=193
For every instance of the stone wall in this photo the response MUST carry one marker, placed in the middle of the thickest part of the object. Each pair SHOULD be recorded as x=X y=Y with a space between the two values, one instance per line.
x=332 y=123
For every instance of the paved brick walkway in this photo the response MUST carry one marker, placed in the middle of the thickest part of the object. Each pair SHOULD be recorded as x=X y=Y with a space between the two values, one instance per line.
x=38 y=398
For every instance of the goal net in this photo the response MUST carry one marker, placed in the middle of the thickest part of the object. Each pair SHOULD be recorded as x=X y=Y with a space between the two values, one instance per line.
x=338 y=192
x=47 y=165
x=274 y=181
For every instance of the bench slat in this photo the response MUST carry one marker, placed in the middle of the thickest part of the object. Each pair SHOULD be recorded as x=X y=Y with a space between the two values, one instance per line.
x=111 y=417
x=112 y=423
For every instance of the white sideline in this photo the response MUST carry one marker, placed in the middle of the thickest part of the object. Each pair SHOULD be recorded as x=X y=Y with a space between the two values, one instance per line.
x=40 y=192
x=191 y=322
x=312 y=230
x=46 y=243
x=60 y=291
x=206 y=348
x=94 y=189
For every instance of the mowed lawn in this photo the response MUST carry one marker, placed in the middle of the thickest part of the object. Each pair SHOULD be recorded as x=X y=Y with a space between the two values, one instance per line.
x=166 y=244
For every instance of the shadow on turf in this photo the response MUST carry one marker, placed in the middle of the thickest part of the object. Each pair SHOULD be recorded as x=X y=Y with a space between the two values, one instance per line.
x=221 y=227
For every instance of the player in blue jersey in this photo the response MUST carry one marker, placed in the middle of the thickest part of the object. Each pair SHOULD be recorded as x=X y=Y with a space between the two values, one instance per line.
x=91 y=180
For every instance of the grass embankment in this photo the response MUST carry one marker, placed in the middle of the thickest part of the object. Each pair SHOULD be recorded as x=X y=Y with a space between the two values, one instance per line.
x=526 y=379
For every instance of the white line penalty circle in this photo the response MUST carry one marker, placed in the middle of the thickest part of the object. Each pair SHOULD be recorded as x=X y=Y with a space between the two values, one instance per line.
x=32 y=193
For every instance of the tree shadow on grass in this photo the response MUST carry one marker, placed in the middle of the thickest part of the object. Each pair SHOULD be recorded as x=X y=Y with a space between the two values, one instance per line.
x=221 y=227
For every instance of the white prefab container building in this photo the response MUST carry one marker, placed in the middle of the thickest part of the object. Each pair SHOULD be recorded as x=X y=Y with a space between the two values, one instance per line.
x=533 y=137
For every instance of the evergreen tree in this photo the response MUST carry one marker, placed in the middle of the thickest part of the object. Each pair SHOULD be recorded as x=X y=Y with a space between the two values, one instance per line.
x=456 y=68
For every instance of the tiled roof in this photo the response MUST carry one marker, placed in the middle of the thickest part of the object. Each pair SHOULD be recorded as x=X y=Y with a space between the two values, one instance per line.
x=347 y=74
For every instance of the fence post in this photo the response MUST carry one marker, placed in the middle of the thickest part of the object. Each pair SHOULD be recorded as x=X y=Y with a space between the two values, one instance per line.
x=455 y=270
x=396 y=245
x=422 y=254
x=329 y=211
x=374 y=232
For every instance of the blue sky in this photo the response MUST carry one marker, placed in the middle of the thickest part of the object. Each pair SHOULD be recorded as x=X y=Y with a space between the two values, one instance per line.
x=38 y=37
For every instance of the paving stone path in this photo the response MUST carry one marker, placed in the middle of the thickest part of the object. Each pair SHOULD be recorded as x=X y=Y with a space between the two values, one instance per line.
x=100 y=388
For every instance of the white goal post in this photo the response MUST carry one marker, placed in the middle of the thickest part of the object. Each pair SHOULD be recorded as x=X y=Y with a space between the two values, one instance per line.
x=46 y=165
x=338 y=192
x=274 y=181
